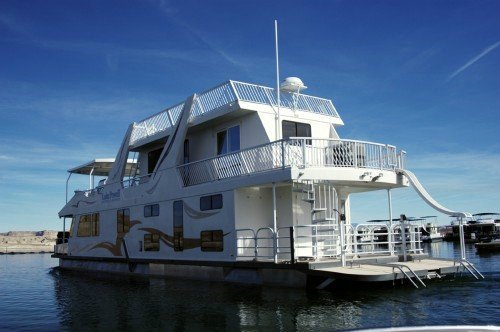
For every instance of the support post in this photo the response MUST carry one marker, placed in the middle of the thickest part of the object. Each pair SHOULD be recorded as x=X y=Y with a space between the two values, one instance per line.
x=64 y=230
x=462 y=239
x=91 y=179
x=67 y=180
x=275 y=249
x=403 y=236
x=292 y=246
x=391 y=236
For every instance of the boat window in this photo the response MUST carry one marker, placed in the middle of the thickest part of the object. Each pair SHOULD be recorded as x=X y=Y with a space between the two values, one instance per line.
x=153 y=157
x=88 y=225
x=186 y=152
x=178 y=225
x=211 y=202
x=228 y=140
x=123 y=221
x=71 y=232
x=296 y=129
x=152 y=210
x=151 y=242
x=212 y=240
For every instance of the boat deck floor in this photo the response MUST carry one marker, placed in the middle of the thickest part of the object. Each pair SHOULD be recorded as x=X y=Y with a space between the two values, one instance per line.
x=389 y=270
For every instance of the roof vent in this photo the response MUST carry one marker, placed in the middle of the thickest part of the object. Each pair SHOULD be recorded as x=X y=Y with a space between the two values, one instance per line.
x=292 y=85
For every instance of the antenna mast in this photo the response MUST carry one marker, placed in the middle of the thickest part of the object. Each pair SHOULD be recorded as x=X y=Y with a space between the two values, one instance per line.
x=278 y=136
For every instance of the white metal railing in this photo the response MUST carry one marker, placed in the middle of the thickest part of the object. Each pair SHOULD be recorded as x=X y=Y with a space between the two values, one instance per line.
x=227 y=93
x=325 y=241
x=264 y=95
x=301 y=152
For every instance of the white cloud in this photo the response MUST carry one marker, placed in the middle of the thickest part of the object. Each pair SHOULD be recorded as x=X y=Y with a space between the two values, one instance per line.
x=474 y=59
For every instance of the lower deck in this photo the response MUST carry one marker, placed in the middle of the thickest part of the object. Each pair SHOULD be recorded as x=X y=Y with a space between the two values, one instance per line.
x=317 y=274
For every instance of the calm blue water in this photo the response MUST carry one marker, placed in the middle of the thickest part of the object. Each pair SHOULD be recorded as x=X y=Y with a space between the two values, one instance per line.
x=36 y=296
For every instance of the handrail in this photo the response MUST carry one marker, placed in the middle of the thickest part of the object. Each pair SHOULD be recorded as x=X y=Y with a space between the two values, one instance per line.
x=404 y=273
x=225 y=94
x=296 y=151
x=414 y=274
x=470 y=267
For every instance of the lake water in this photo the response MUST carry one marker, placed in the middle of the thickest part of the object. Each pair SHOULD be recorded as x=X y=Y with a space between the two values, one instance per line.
x=35 y=295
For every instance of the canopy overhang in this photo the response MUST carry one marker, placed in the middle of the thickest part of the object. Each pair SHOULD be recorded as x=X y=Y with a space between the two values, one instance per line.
x=101 y=167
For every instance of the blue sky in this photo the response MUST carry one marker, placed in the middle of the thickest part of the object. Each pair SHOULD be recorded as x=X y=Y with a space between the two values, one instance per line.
x=421 y=75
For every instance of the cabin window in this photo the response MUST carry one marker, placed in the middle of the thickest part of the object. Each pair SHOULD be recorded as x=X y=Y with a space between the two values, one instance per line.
x=71 y=232
x=151 y=210
x=228 y=140
x=153 y=157
x=185 y=158
x=88 y=225
x=151 y=242
x=123 y=221
x=178 y=211
x=296 y=129
x=212 y=240
x=212 y=202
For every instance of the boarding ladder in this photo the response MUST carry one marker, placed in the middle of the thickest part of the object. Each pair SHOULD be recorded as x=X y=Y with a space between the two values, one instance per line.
x=321 y=198
x=401 y=268
x=471 y=268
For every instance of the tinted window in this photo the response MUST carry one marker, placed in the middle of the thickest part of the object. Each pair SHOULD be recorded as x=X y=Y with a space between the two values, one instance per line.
x=211 y=202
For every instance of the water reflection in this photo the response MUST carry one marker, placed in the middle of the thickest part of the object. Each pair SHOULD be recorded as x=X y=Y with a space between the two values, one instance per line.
x=106 y=302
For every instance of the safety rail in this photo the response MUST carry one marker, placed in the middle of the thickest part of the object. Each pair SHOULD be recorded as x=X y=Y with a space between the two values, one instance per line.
x=325 y=241
x=301 y=152
x=470 y=267
x=225 y=94
x=400 y=268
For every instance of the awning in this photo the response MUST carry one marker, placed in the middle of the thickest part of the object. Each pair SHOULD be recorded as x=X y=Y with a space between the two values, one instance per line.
x=101 y=167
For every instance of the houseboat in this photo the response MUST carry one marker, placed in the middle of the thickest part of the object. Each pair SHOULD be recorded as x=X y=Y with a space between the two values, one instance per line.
x=245 y=183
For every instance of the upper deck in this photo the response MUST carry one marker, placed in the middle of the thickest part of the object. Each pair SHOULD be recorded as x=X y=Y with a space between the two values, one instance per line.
x=229 y=97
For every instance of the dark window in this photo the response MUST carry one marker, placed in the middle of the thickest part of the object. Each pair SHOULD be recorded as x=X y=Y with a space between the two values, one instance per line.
x=211 y=202
x=296 y=129
x=152 y=210
x=212 y=240
x=88 y=225
x=151 y=242
x=178 y=211
x=228 y=140
x=123 y=221
x=186 y=152
x=153 y=157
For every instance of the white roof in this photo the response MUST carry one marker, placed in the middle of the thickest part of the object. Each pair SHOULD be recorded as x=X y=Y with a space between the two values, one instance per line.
x=100 y=167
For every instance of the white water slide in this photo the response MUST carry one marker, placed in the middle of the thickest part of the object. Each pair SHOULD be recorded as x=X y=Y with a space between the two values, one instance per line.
x=427 y=198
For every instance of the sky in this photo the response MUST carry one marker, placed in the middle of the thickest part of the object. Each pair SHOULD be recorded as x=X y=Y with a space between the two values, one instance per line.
x=421 y=75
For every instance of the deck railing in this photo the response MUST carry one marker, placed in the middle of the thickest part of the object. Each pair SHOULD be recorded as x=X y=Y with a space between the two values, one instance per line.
x=322 y=241
x=225 y=94
x=301 y=152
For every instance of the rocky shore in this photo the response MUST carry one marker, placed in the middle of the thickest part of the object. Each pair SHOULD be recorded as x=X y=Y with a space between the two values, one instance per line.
x=23 y=242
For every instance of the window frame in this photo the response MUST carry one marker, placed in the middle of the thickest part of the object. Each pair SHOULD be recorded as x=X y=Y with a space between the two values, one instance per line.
x=212 y=240
x=150 y=209
x=212 y=199
x=123 y=219
x=151 y=242
x=229 y=132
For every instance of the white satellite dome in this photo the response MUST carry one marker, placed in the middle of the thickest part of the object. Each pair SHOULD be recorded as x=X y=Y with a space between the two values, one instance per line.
x=292 y=84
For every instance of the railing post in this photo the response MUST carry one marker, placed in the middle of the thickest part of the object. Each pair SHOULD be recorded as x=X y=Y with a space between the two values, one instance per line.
x=380 y=159
x=356 y=154
x=282 y=153
x=304 y=152
x=387 y=155
x=292 y=246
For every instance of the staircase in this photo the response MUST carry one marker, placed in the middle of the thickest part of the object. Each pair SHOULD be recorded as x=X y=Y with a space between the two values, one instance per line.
x=325 y=231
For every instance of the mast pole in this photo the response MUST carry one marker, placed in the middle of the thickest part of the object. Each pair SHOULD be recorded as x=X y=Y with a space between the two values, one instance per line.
x=278 y=136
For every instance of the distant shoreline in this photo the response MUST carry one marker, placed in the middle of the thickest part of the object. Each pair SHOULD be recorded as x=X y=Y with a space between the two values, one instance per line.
x=27 y=242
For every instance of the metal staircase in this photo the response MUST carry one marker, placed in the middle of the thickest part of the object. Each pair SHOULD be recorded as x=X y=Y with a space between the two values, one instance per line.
x=321 y=197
